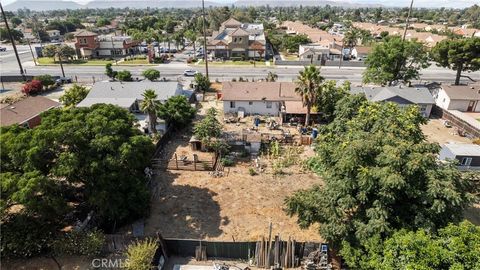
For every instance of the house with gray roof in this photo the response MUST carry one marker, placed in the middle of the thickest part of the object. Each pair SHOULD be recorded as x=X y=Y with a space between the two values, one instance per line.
x=128 y=95
x=466 y=154
x=403 y=96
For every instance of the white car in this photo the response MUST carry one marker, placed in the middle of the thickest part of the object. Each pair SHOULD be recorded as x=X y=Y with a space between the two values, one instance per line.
x=190 y=72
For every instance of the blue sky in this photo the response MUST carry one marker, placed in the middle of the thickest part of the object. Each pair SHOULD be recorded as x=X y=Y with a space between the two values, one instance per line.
x=417 y=3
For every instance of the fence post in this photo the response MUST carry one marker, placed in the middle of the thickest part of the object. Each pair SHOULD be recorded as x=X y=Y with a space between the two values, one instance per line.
x=176 y=161
x=194 y=162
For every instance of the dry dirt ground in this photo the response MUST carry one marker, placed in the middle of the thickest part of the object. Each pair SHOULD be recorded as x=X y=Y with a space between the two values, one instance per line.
x=238 y=206
x=437 y=132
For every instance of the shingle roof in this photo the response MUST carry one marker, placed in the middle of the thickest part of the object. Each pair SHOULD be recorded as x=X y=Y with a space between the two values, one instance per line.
x=231 y=22
x=256 y=91
x=25 y=109
x=239 y=33
x=463 y=149
x=462 y=92
x=123 y=94
x=85 y=33
x=419 y=95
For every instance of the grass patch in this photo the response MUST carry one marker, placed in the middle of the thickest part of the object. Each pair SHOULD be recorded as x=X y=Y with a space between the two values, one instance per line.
x=93 y=62
x=237 y=63
x=135 y=62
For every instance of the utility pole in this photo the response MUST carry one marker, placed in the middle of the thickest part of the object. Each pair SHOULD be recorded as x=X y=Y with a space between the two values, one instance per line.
x=31 y=51
x=406 y=22
x=61 y=64
x=205 y=56
x=22 y=72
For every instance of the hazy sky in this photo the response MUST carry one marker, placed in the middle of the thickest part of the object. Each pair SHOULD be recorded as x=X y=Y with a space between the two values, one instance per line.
x=417 y=3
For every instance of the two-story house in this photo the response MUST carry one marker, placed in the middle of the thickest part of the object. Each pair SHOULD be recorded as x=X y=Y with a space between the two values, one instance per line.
x=86 y=44
x=238 y=41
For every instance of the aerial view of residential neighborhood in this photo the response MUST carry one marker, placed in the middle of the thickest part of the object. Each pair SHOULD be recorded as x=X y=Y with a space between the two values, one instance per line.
x=240 y=134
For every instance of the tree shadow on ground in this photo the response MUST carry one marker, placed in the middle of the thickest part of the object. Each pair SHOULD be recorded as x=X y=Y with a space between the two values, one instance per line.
x=185 y=212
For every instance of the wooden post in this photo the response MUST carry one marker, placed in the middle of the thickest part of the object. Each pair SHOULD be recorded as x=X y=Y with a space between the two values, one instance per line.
x=194 y=162
x=176 y=161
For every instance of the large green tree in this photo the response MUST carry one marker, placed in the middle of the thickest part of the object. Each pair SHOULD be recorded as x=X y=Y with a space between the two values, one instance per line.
x=91 y=158
x=177 y=111
x=380 y=175
x=453 y=247
x=395 y=60
x=308 y=87
x=151 y=74
x=458 y=54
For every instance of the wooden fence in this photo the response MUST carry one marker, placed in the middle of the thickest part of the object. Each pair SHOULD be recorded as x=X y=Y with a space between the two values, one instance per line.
x=463 y=126
x=184 y=163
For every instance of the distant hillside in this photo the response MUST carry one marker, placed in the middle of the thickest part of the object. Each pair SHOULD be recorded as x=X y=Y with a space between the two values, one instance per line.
x=52 y=4
x=42 y=5
x=288 y=3
x=144 y=4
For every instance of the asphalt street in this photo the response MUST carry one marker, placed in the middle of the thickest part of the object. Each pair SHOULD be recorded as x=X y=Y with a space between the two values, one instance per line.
x=174 y=70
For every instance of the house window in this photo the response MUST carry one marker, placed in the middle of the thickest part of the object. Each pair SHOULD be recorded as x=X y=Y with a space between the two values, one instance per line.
x=466 y=161
x=232 y=104
x=235 y=40
x=269 y=104
x=250 y=103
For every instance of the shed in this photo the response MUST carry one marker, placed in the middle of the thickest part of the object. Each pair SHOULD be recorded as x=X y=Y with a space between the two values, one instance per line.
x=195 y=143
x=467 y=155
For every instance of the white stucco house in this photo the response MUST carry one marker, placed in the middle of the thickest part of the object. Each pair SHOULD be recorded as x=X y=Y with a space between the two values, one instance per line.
x=262 y=98
x=313 y=52
x=403 y=96
x=463 y=98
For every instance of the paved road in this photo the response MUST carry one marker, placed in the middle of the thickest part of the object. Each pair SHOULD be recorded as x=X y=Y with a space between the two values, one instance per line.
x=175 y=69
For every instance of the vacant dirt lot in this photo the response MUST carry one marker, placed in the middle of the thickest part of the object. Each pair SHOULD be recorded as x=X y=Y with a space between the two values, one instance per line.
x=235 y=207
x=238 y=206
x=437 y=132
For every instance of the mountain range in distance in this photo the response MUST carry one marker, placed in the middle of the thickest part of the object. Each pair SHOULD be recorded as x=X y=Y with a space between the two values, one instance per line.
x=39 y=5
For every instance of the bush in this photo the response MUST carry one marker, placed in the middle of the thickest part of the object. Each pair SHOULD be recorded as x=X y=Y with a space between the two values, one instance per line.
x=79 y=243
x=33 y=87
x=124 y=75
x=252 y=171
x=24 y=236
x=140 y=254
x=46 y=80
x=476 y=141
x=74 y=95
x=227 y=162
x=151 y=74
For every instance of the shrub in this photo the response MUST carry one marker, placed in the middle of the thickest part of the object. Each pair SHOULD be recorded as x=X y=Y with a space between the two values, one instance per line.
x=151 y=74
x=476 y=141
x=227 y=162
x=46 y=80
x=33 y=87
x=252 y=171
x=140 y=254
x=124 y=75
x=74 y=95
x=79 y=243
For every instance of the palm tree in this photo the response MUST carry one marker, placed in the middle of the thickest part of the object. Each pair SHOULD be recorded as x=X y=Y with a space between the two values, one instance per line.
x=150 y=105
x=271 y=76
x=350 y=39
x=308 y=87
x=192 y=36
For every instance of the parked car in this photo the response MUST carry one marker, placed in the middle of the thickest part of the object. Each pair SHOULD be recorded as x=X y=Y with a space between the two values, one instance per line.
x=62 y=80
x=173 y=50
x=3 y=49
x=190 y=72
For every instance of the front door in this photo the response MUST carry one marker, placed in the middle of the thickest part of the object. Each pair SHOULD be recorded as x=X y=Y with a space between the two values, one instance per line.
x=471 y=105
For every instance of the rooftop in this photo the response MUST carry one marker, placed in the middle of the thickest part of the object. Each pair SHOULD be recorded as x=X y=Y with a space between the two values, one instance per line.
x=463 y=149
x=462 y=92
x=25 y=109
x=124 y=94
x=416 y=95
x=257 y=91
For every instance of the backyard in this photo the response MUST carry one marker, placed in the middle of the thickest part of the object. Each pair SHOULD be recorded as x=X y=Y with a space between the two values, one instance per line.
x=236 y=207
